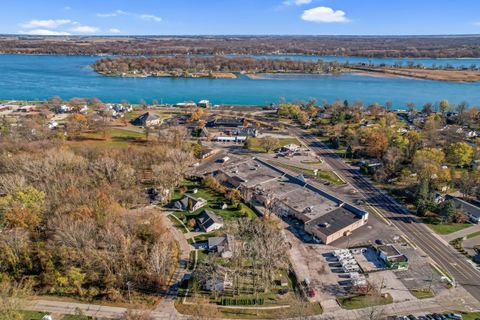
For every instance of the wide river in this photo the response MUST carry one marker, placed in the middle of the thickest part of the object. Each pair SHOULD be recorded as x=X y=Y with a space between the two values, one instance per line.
x=26 y=77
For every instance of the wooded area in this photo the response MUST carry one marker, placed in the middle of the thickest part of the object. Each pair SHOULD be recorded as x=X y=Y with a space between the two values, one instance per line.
x=70 y=219
x=368 y=46
x=181 y=65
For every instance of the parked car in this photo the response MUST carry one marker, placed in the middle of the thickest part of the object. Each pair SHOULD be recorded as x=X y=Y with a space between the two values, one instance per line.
x=311 y=292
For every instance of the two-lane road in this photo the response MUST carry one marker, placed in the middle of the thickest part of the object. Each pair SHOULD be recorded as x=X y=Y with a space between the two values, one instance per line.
x=445 y=256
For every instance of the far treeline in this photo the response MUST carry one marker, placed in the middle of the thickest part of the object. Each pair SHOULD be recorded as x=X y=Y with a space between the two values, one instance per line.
x=181 y=65
x=366 y=46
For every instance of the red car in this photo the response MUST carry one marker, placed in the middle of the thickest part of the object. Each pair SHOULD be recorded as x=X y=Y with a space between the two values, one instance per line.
x=311 y=293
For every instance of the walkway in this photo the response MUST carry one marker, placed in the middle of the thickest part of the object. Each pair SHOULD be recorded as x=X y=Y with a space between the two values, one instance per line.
x=462 y=233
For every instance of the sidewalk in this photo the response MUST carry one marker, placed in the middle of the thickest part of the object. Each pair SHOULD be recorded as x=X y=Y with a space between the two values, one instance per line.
x=462 y=233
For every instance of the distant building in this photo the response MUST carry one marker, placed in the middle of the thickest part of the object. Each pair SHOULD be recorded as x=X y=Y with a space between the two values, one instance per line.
x=204 y=104
x=189 y=203
x=226 y=122
x=245 y=131
x=208 y=221
x=148 y=119
x=187 y=104
x=290 y=148
x=235 y=139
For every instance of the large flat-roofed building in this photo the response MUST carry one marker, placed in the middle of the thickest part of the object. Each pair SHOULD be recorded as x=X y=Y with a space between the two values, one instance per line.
x=335 y=224
x=325 y=216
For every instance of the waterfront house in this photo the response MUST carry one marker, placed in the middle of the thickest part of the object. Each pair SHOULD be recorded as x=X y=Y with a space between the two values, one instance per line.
x=148 y=119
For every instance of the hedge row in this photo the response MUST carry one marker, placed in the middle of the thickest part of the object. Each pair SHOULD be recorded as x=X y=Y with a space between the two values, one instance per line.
x=241 y=302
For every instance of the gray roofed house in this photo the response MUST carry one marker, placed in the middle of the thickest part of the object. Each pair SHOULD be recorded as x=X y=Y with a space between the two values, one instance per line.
x=189 y=203
x=224 y=246
x=471 y=210
x=147 y=119
x=209 y=221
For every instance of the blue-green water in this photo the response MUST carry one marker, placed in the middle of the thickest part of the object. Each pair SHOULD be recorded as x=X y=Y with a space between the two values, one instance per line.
x=25 y=77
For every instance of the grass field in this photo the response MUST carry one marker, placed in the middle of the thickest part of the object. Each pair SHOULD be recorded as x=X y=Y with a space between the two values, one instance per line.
x=255 y=145
x=115 y=138
x=447 y=228
x=321 y=174
x=473 y=235
x=422 y=294
x=359 y=302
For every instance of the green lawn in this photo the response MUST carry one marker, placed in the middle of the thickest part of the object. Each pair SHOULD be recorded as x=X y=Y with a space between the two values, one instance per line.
x=473 y=235
x=422 y=293
x=32 y=315
x=448 y=228
x=321 y=174
x=360 y=302
x=254 y=144
x=215 y=202
x=115 y=138
x=471 y=316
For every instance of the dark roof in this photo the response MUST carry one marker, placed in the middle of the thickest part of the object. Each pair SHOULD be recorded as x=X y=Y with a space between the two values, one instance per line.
x=226 y=122
x=207 y=219
x=468 y=207
x=182 y=204
x=334 y=221
x=144 y=118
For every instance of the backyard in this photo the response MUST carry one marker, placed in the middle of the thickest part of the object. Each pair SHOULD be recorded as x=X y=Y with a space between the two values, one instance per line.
x=215 y=203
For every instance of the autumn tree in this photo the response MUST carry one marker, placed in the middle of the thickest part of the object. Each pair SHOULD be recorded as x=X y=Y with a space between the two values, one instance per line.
x=459 y=154
x=269 y=143
x=377 y=144
x=427 y=162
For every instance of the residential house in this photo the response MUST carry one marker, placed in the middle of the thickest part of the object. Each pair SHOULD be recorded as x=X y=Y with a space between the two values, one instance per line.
x=245 y=131
x=148 y=119
x=218 y=283
x=470 y=209
x=208 y=221
x=189 y=203
x=223 y=246
x=204 y=104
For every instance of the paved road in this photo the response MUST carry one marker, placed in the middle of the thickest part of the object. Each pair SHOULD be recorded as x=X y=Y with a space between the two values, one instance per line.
x=445 y=256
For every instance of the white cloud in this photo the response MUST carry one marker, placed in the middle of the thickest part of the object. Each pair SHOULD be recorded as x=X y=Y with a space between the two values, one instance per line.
x=150 y=17
x=114 y=30
x=324 y=15
x=48 y=24
x=45 y=32
x=67 y=8
x=85 y=29
x=477 y=24
x=113 y=14
x=296 y=2
x=145 y=16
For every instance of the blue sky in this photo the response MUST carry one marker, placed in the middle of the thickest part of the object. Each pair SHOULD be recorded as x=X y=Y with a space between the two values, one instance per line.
x=184 y=17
